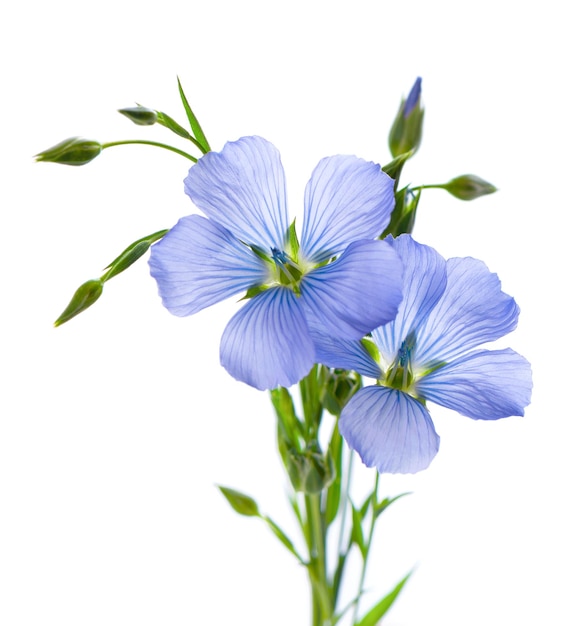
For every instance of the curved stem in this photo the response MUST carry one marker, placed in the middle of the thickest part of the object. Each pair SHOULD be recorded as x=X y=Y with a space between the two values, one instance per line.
x=420 y=187
x=150 y=143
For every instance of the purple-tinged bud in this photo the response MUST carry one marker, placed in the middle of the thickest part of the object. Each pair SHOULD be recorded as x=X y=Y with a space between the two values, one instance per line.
x=406 y=131
x=413 y=97
x=72 y=151
x=469 y=187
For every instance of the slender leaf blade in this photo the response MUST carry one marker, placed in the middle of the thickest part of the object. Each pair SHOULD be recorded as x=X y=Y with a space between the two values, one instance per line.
x=196 y=127
x=381 y=608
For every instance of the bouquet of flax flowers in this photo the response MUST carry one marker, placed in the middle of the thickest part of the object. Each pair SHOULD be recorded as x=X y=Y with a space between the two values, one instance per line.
x=351 y=324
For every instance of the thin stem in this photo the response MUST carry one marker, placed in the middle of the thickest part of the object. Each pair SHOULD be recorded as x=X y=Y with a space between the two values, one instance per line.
x=367 y=551
x=420 y=187
x=150 y=143
x=345 y=500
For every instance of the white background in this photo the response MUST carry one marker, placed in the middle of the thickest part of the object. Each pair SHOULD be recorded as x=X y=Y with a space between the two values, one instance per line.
x=115 y=427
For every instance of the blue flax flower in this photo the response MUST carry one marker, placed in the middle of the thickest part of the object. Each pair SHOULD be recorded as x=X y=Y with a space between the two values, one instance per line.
x=335 y=277
x=428 y=353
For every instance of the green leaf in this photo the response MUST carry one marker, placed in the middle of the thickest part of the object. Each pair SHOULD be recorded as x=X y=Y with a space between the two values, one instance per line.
x=334 y=491
x=196 y=128
x=241 y=503
x=278 y=532
x=379 y=610
x=357 y=535
x=82 y=299
x=384 y=504
x=131 y=254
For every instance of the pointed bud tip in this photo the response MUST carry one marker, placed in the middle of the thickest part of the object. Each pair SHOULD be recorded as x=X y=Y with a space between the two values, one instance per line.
x=142 y=116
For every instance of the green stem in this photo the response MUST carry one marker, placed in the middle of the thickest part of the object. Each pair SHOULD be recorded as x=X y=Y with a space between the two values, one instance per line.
x=150 y=143
x=367 y=551
x=322 y=609
x=345 y=500
x=420 y=187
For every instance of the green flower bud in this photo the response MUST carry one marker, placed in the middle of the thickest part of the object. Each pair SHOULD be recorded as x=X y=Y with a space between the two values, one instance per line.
x=82 y=299
x=340 y=387
x=469 y=187
x=406 y=131
x=142 y=116
x=72 y=151
x=309 y=471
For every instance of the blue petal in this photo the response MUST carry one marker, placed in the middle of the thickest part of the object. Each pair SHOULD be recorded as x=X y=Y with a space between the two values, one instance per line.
x=343 y=354
x=412 y=98
x=356 y=293
x=424 y=280
x=243 y=189
x=346 y=199
x=390 y=430
x=473 y=310
x=199 y=263
x=484 y=384
x=267 y=343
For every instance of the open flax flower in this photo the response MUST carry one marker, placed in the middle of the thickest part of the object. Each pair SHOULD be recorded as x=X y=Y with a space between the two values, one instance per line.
x=335 y=276
x=427 y=352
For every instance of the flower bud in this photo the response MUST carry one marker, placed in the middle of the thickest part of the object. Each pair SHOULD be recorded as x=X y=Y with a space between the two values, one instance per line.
x=406 y=131
x=309 y=471
x=72 y=151
x=340 y=387
x=142 y=116
x=469 y=187
x=82 y=299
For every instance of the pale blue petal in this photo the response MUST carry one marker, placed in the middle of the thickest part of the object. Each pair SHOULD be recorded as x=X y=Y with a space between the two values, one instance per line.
x=473 y=310
x=356 y=293
x=343 y=354
x=267 y=343
x=346 y=199
x=390 y=430
x=199 y=263
x=243 y=189
x=424 y=281
x=482 y=385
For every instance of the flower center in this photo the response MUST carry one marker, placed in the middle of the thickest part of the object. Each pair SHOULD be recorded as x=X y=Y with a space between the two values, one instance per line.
x=286 y=271
x=399 y=374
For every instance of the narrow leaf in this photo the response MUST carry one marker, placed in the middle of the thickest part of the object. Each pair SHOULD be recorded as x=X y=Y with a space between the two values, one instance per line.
x=384 y=504
x=196 y=128
x=241 y=503
x=357 y=534
x=278 y=532
x=380 y=609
